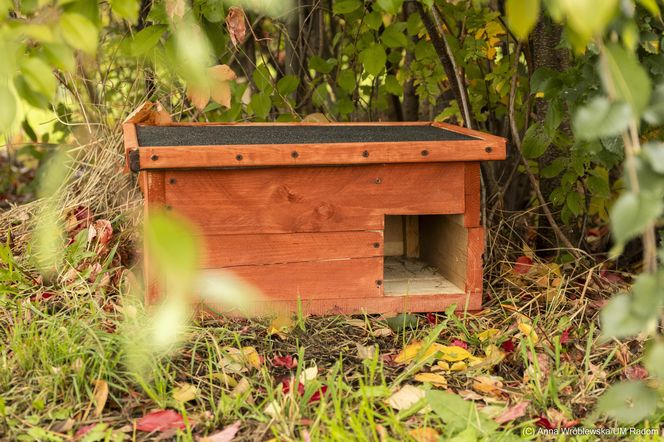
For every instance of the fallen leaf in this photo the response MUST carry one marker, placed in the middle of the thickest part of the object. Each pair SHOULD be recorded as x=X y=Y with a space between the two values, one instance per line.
x=432 y=378
x=488 y=384
x=405 y=397
x=564 y=337
x=286 y=387
x=104 y=231
x=488 y=334
x=508 y=346
x=225 y=435
x=287 y=361
x=82 y=431
x=273 y=409
x=280 y=326
x=382 y=332
x=523 y=265
x=403 y=321
x=528 y=331
x=432 y=319
x=308 y=374
x=101 y=396
x=453 y=353
x=424 y=435
x=634 y=372
x=161 y=420
x=443 y=365
x=185 y=393
x=543 y=422
x=236 y=25
x=514 y=412
x=241 y=387
x=318 y=394
x=366 y=351
x=246 y=355
x=459 y=366
x=460 y=343
x=411 y=351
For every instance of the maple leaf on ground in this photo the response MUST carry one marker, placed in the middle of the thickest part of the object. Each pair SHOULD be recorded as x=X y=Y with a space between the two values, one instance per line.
x=287 y=384
x=161 y=420
x=508 y=346
x=514 y=412
x=287 y=361
x=406 y=397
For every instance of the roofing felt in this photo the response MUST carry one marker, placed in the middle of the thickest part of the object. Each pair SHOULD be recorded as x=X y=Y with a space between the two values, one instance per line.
x=219 y=135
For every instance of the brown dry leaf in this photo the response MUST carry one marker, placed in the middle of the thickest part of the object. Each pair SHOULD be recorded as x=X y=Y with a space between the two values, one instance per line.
x=513 y=412
x=405 y=397
x=175 y=9
x=161 y=116
x=316 y=118
x=488 y=384
x=434 y=379
x=280 y=326
x=241 y=387
x=198 y=95
x=220 y=87
x=366 y=351
x=101 y=396
x=424 y=435
x=235 y=23
x=359 y=323
x=382 y=332
x=225 y=435
x=185 y=393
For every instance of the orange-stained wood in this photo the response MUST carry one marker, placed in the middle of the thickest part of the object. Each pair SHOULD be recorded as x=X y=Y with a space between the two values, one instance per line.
x=474 y=273
x=185 y=157
x=313 y=199
x=472 y=192
x=130 y=142
x=344 y=278
x=152 y=185
x=259 y=249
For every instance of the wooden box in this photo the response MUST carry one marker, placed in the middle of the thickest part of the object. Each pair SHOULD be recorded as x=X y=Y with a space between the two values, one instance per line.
x=344 y=217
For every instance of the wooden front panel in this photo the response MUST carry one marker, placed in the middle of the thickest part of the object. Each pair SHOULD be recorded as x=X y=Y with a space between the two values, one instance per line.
x=313 y=199
x=344 y=278
x=261 y=249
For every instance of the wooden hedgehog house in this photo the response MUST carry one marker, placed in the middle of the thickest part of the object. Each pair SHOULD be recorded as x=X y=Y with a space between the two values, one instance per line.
x=340 y=217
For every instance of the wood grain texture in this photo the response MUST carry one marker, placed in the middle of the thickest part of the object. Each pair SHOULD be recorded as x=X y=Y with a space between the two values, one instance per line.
x=472 y=192
x=130 y=142
x=186 y=157
x=445 y=245
x=344 y=278
x=394 y=241
x=312 y=199
x=259 y=249
x=152 y=185
x=412 y=235
x=474 y=269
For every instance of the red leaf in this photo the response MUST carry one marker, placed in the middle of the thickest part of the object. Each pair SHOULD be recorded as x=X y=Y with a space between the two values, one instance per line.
x=544 y=423
x=432 y=319
x=523 y=265
x=284 y=361
x=513 y=412
x=161 y=420
x=318 y=394
x=286 y=387
x=507 y=346
x=43 y=297
x=460 y=343
x=225 y=435
x=84 y=430
x=564 y=338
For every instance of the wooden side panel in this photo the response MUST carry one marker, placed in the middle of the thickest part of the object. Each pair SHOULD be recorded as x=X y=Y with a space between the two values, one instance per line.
x=313 y=199
x=412 y=236
x=474 y=273
x=445 y=245
x=152 y=185
x=260 y=249
x=394 y=241
x=344 y=278
x=472 y=193
x=130 y=142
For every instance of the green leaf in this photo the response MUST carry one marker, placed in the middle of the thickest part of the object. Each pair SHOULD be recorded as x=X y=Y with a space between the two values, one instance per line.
x=628 y=402
x=588 y=18
x=390 y=6
x=618 y=320
x=554 y=169
x=262 y=77
x=651 y=6
x=654 y=153
x=392 y=85
x=127 y=9
x=288 y=84
x=574 y=203
x=598 y=183
x=403 y=321
x=601 y=118
x=345 y=6
x=373 y=58
x=321 y=65
x=213 y=11
x=146 y=39
x=60 y=56
x=393 y=36
x=79 y=32
x=535 y=141
x=459 y=414
x=522 y=15
x=346 y=80
x=374 y=20
x=632 y=212
x=33 y=97
x=39 y=76
x=654 y=359
x=261 y=104
x=629 y=79
x=7 y=108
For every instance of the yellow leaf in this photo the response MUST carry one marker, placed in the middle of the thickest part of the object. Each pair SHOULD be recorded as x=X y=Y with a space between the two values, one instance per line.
x=280 y=326
x=432 y=378
x=459 y=366
x=528 y=331
x=425 y=435
x=411 y=351
x=488 y=334
x=453 y=353
x=185 y=393
x=539 y=95
x=100 y=395
x=488 y=384
x=252 y=357
x=443 y=365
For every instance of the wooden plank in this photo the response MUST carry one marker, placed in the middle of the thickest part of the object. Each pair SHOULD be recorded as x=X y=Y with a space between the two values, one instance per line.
x=492 y=140
x=445 y=245
x=344 y=278
x=259 y=249
x=389 y=305
x=152 y=184
x=186 y=157
x=411 y=277
x=313 y=199
x=412 y=235
x=394 y=244
x=472 y=192
x=130 y=142
x=474 y=270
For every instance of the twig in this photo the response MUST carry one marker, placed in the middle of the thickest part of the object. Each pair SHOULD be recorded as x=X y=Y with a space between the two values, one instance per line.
x=516 y=139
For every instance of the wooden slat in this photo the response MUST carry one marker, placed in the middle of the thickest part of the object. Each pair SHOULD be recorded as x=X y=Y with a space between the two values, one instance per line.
x=346 y=306
x=344 y=278
x=474 y=273
x=445 y=245
x=472 y=192
x=152 y=185
x=394 y=243
x=130 y=142
x=259 y=249
x=185 y=157
x=315 y=199
x=412 y=235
